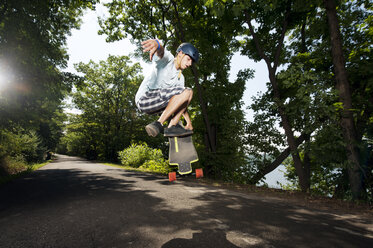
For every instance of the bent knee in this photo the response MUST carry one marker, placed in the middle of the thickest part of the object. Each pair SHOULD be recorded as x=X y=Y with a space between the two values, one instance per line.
x=188 y=92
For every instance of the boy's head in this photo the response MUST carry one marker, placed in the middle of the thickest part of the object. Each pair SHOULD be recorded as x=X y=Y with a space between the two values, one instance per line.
x=189 y=50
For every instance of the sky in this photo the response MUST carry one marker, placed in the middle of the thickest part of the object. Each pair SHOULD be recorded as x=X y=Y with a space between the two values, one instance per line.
x=85 y=44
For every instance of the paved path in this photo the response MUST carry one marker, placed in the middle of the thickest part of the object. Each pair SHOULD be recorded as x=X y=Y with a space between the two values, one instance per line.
x=75 y=203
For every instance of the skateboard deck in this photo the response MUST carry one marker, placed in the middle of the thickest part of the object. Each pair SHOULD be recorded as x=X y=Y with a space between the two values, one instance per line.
x=182 y=153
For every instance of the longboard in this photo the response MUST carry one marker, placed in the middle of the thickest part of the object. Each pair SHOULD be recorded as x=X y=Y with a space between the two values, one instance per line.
x=182 y=153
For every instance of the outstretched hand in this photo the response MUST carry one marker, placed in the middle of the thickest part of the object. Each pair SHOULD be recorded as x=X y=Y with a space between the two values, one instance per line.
x=150 y=46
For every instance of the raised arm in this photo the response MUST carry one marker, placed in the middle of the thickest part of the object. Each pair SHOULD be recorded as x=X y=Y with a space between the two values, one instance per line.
x=153 y=46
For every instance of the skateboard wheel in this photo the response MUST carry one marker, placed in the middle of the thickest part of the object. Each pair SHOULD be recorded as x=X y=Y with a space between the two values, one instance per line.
x=199 y=173
x=172 y=176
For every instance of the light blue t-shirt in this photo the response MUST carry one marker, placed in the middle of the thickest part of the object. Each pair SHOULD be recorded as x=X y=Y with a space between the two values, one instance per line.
x=162 y=75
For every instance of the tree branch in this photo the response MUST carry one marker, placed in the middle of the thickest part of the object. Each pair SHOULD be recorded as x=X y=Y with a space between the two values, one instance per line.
x=255 y=38
x=282 y=37
x=272 y=166
x=181 y=30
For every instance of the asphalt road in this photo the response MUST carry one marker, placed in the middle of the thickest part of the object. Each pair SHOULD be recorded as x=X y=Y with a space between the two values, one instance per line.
x=76 y=203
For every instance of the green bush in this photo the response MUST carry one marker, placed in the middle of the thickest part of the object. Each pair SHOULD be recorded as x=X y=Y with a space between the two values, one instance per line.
x=140 y=155
x=18 y=148
x=21 y=145
x=157 y=166
x=12 y=166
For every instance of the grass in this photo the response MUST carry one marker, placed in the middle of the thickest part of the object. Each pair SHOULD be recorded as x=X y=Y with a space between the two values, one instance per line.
x=35 y=167
x=31 y=168
x=129 y=168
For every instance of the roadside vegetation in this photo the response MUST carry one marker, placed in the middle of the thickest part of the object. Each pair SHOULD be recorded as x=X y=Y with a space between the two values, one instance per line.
x=32 y=85
x=15 y=170
x=145 y=158
x=21 y=151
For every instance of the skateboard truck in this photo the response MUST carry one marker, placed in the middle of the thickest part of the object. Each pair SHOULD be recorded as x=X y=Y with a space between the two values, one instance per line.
x=172 y=175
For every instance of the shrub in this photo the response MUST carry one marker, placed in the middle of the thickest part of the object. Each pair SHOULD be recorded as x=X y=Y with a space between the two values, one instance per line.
x=11 y=166
x=157 y=166
x=18 y=148
x=21 y=144
x=140 y=155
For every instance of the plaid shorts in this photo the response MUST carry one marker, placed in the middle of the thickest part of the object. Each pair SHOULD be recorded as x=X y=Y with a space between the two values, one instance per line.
x=155 y=101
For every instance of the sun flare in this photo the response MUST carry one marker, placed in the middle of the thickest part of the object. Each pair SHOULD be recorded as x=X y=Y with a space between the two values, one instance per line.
x=3 y=80
x=4 y=76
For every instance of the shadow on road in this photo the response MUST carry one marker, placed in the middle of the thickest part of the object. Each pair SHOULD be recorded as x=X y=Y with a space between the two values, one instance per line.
x=78 y=204
x=202 y=239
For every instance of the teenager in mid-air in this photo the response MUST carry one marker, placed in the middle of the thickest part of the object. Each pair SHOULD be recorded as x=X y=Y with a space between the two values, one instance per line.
x=163 y=90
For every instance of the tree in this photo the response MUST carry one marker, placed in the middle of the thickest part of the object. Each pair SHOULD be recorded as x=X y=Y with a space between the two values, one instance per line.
x=353 y=15
x=343 y=87
x=110 y=120
x=327 y=158
x=303 y=95
x=278 y=17
x=32 y=53
x=32 y=42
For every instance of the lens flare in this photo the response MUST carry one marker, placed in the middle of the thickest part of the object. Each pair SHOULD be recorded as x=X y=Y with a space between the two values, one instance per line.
x=6 y=75
x=4 y=79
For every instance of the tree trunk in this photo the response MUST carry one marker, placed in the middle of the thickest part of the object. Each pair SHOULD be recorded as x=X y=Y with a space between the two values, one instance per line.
x=343 y=87
x=303 y=181
x=307 y=163
x=210 y=135
x=272 y=166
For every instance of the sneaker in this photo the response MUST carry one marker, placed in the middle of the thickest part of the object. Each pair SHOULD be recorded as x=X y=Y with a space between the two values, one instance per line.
x=177 y=131
x=154 y=128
